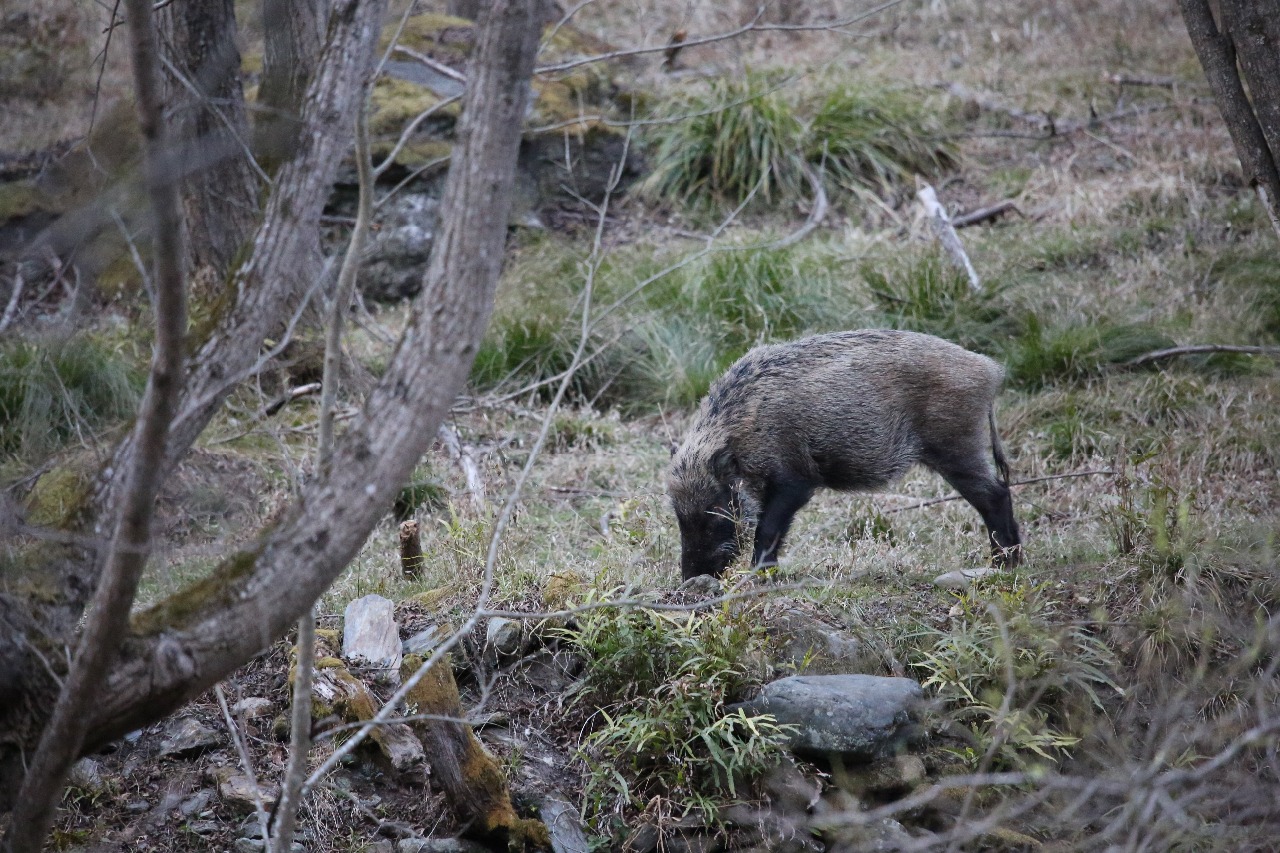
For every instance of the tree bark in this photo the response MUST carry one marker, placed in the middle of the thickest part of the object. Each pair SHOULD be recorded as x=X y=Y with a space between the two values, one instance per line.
x=185 y=644
x=209 y=126
x=41 y=604
x=294 y=36
x=1252 y=30
x=131 y=543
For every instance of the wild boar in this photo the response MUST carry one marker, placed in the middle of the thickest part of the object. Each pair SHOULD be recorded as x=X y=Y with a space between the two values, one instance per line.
x=850 y=411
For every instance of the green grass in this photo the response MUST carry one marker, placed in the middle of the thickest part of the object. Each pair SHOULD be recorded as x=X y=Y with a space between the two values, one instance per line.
x=55 y=392
x=715 y=147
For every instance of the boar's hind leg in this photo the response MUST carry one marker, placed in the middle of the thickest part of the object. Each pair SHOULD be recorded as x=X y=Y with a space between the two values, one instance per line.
x=780 y=503
x=991 y=498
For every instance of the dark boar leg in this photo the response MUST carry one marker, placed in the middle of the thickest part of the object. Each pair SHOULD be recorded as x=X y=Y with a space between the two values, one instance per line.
x=991 y=498
x=779 y=504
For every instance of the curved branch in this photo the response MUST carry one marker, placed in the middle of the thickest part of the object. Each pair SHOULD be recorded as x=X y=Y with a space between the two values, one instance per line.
x=128 y=550
x=181 y=649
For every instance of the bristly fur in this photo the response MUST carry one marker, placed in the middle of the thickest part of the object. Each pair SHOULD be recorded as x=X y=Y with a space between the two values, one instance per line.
x=848 y=411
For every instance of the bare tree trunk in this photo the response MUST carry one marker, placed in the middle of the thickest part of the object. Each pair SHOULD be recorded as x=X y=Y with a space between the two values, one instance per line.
x=108 y=619
x=259 y=299
x=295 y=34
x=469 y=9
x=187 y=643
x=1251 y=29
x=209 y=124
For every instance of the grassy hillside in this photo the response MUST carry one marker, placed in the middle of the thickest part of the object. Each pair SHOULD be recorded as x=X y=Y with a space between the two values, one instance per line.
x=1131 y=658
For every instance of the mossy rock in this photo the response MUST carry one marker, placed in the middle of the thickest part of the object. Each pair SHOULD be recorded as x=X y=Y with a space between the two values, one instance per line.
x=560 y=99
x=62 y=490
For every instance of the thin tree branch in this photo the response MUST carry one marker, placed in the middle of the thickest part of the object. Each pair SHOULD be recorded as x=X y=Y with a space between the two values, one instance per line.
x=1198 y=349
x=108 y=617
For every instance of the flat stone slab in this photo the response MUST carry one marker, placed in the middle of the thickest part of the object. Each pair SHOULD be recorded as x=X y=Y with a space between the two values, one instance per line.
x=861 y=717
x=370 y=636
x=961 y=578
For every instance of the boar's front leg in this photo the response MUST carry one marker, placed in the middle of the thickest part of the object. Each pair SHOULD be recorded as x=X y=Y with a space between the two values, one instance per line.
x=778 y=506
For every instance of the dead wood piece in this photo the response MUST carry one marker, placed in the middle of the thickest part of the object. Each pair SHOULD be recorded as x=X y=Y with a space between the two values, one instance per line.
x=1124 y=78
x=463 y=454
x=946 y=232
x=986 y=214
x=411 y=559
x=1199 y=349
x=472 y=780
x=337 y=691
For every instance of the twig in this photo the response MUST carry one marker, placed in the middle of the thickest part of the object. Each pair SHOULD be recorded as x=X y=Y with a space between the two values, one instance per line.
x=986 y=214
x=246 y=762
x=946 y=232
x=1197 y=349
x=11 y=309
x=108 y=617
x=289 y=396
x=1098 y=473
x=438 y=67
x=1124 y=78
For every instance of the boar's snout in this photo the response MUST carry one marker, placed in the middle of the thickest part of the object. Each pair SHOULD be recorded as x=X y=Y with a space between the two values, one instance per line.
x=708 y=542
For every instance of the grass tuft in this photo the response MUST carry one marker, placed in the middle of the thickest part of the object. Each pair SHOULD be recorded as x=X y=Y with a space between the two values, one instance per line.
x=56 y=392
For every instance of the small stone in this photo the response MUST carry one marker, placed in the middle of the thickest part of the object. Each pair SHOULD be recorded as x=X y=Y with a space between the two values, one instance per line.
x=252 y=707
x=424 y=642
x=370 y=636
x=87 y=774
x=196 y=803
x=137 y=806
x=187 y=737
x=644 y=839
x=204 y=827
x=899 y=775
x=701 y=587
x=440 y=845
x=237 y=790
x=961 y=578
x=503 y=638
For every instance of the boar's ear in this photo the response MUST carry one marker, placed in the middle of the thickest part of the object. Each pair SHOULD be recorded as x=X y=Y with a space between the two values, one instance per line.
x=724 y=466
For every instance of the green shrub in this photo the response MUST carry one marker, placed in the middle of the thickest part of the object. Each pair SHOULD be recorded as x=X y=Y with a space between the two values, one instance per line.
x=714 y=147
x=53 y=392
x=1012 y=677
x=719 y=145
x=663 y=681
x=877 y=136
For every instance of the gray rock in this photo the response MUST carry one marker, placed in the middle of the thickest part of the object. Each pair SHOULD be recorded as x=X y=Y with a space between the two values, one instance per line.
x=548 y=671
x=252 y=707
x=196 y=803
x=887 y=778
x=564 y=824
x=878 y=836
x=87 y=774
x=701 y=587
x=370 y=636
x=503 y=638
x=440 y=845
x=237 y=790
x=424 y=642
x=860 y=717
x=644 y=839
x=961 y=578
x=812 y=647
x=399 y=247
x=186 y=737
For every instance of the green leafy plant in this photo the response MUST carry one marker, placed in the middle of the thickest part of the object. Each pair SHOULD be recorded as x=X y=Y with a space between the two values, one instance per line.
x=1011 y=676
x=664 y=683
x=1044 y=354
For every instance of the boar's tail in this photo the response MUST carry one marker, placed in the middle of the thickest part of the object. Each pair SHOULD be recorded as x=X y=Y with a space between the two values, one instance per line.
x=997 y=450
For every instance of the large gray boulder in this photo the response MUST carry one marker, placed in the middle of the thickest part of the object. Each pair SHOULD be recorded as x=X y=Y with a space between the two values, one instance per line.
x=859 y=717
